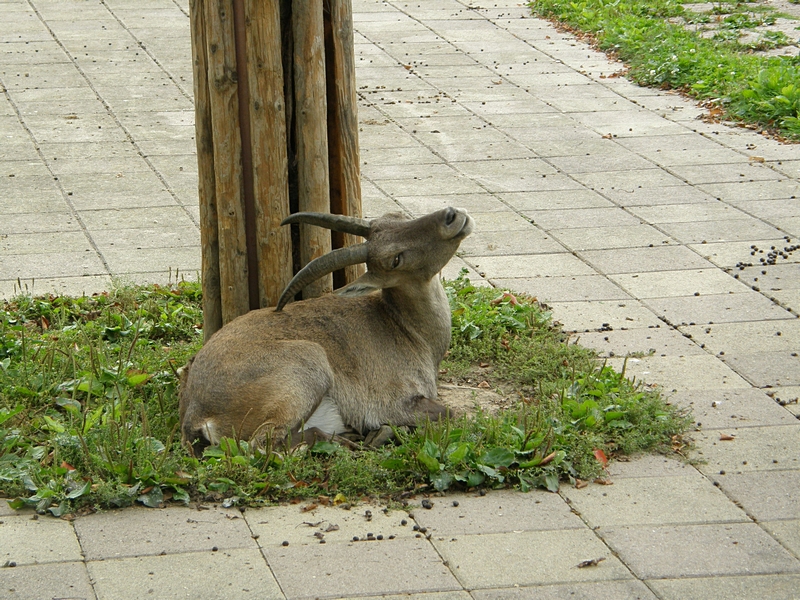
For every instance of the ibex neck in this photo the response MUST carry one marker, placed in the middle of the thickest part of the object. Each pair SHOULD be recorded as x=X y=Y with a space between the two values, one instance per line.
x=424 y=312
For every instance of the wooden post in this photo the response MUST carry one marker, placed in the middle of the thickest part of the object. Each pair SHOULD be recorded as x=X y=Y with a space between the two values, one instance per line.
x=345 y=178
x=268 y=134
x=275 y=108
x=209 y=232
x=312 y=137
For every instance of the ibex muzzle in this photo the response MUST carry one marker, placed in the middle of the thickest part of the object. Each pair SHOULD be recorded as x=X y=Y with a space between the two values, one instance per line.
x=350 y=360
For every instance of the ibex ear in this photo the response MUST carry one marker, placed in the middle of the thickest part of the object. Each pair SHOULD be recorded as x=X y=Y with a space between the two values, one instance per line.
x=365 y=284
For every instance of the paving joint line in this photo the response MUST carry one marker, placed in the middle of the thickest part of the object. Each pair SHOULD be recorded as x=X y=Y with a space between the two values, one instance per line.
x=129 y=137
x=64 y=194
x=152 y=57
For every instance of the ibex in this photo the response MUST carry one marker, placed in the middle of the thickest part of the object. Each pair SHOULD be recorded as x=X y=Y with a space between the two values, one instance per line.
x=349 y=360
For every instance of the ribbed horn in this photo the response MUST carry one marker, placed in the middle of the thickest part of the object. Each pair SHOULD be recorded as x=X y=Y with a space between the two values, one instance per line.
x=340 y=223
x=319 y=267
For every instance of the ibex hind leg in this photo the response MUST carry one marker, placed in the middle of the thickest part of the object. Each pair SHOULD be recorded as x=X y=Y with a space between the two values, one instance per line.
x=284 y=385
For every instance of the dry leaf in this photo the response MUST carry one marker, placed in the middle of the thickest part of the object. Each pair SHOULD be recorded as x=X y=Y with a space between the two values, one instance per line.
x=309 y=507
x=724 y=437
x=601 y=481
x=757 y=159
x=484 y=385
x=591 y=563
x=580 y=483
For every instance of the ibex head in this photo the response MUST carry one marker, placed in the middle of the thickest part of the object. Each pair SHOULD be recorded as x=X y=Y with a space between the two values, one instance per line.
x=398 y=250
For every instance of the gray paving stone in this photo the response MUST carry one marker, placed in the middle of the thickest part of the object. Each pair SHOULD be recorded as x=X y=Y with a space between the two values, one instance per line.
x=730 y=254
x=565 y=289
x=649 y=465
x=772 y=278
x=789 y=396
x=768 y=587
x=51 y=264
x=514 y=242
x=530 y=265
x=631 y=501
x=69 y=286
x=723 y=409
x=681 y=213
x=604 y=238
x=135 y=218
x=502 y=511
x=752 y=190
x=669 y=284
x=515 y=175
x=622 y=313
x=300 y=526
x=54 y=580
x=640 y=340
x=726 y=173
x=767 y=495
x=644 y=259
x=605 y=590
x=399 y=566
x=582 y=218
x=627 y=181
x=502 y=222
x=422 y=596
x=528 y=558
x=27 y=541
x=152 y=532
x=236 y=573
x=767 y=369
x=122 y=261
x=748 y=337
x=718 y=308
x=630 y=123
x=772 y=448
x=554 y=200
x=669 y=551
x=654 y=196
x=450 y=184
x=730 y=230
x=771 y=209
x=43 y=243
x=146 y=237
x=692 y=372
x=787 y=533
x=681 y=149
x=592 y=163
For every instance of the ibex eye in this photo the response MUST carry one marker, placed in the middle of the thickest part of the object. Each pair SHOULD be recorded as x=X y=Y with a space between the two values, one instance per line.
x=397 y=260
x=450 y=217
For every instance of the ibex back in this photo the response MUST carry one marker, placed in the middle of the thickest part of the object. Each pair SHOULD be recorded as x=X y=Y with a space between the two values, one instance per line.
x=350 y=360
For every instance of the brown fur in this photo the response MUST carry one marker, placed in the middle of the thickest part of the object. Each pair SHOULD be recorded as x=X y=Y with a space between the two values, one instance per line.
x=375 y=355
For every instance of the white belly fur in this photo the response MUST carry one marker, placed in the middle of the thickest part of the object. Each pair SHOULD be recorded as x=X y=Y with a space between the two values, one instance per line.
x=326 y=418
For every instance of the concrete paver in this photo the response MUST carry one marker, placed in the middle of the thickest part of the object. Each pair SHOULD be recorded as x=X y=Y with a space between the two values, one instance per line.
x=613 y=203
x=28 y=541
x=237 y=573
x=768 y=587
x=664 y=552
x=48 y=580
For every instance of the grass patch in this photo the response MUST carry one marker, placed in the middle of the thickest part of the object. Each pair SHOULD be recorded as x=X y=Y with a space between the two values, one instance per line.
x=656 y=39
x=88 y=410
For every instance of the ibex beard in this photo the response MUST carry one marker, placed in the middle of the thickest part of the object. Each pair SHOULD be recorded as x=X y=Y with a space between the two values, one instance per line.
x=366 y=356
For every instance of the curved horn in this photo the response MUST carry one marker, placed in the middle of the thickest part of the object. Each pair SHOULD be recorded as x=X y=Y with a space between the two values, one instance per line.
x=319 y=267
x=340 y=223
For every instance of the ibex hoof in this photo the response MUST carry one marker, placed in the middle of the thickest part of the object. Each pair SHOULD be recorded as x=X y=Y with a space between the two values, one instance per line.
x=383 y=435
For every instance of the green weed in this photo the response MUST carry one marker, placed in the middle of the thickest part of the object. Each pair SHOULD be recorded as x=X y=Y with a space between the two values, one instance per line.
x=651 y=38
x=88 y=410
